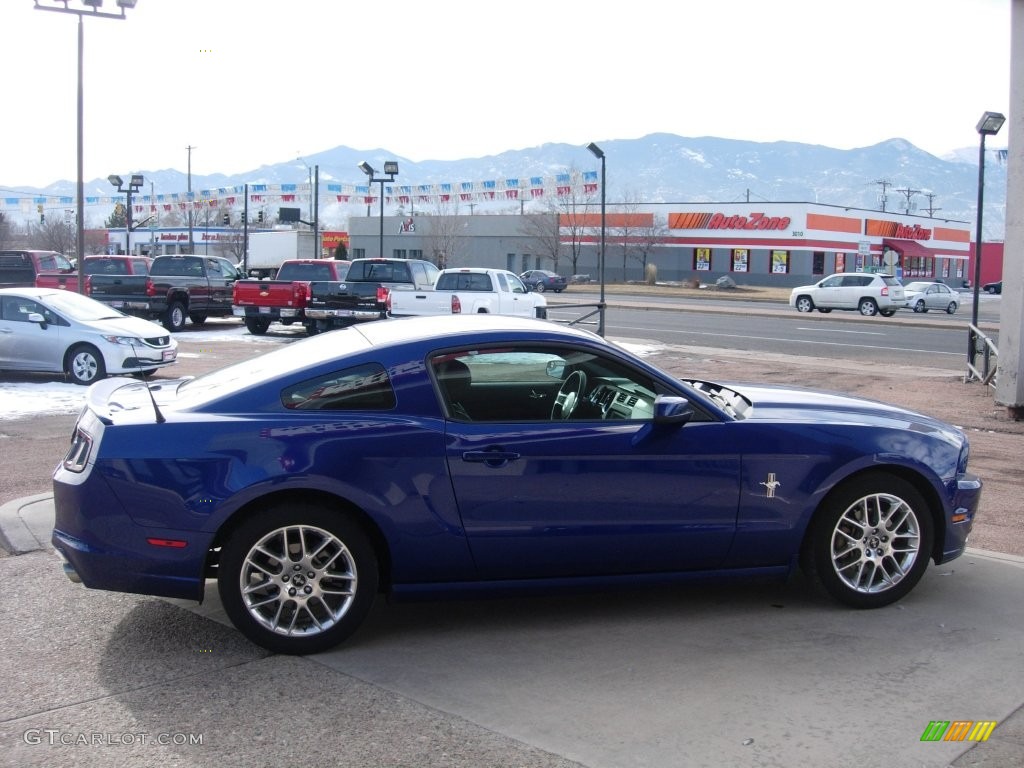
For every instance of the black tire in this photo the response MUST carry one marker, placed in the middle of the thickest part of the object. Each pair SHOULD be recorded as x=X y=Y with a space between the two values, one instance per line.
x=868 y=307
x=920 y=307
x=539 y=288
x=888 y=312
x=197 y=318
x=257 y=325
x=951 y=308
x=869 y=541
x=804 y=304
x=84 y=364
x=287 y=610
x=312 y=329
x=174 y=317
x=824 y=310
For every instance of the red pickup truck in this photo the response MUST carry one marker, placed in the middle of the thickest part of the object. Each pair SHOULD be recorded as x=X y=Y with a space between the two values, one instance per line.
x=261 y=302
x=95 y=265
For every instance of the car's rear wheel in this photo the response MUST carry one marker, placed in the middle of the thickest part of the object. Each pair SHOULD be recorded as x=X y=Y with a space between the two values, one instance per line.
x=920 y=307
x=887 y=312
x=174 y=318
x=257 y=326
x=951 y=308
x=868 y=543
x=804 y=304
x=298 y=578
x=84 y=364
x=198 y=318
x=868 y=307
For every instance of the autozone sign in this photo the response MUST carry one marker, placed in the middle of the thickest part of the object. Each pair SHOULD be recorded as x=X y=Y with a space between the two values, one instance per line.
x=717 y=220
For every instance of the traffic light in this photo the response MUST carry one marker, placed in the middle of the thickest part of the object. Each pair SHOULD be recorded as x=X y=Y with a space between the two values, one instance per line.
x=42 y=216
x=227 y=219
x=259 y=217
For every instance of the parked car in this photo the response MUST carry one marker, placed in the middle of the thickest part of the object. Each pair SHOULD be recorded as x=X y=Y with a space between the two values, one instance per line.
x=462 y=454
x=19 y=268
x=52 y=329
x=922 y=296
x=996 y=287
x=870 y=293
x=541 y=280
x=470 y=290
x=117 y=266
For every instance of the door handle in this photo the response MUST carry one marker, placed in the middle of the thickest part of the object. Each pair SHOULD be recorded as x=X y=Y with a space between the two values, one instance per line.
x=492 y=457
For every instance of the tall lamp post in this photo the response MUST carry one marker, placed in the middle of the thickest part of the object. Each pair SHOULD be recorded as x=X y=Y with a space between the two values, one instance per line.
x=391 y=169
x=599 y=154
x=93 y=7
x=989 y=125
x=134 y=185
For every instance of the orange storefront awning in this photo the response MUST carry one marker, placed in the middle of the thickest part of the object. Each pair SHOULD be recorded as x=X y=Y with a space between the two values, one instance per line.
x=908 y=247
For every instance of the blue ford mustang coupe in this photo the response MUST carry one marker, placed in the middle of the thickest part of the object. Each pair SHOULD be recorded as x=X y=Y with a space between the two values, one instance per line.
x=480 y=453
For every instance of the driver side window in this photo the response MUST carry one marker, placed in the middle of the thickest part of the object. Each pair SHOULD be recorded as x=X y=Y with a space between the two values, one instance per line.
x=536 y=383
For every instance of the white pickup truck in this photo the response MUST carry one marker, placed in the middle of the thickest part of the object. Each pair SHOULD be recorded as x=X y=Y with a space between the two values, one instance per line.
x=470 y=290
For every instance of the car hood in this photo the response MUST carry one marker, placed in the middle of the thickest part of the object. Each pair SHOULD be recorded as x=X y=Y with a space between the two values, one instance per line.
x=128 y=326
x=774 y=403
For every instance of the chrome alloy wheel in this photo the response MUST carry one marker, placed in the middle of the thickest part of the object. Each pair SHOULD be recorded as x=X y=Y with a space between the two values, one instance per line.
x=298 y=581
x=875 y=543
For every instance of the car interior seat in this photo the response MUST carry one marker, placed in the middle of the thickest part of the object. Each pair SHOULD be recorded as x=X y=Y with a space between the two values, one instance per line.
x=456 y=380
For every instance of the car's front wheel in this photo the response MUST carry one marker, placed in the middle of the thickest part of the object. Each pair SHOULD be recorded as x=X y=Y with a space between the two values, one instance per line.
x=84 y=364
x=539 y=287
x=868 y=307
x=804 y=304
x=920 y=307
x=869 y=542
x=298 y=578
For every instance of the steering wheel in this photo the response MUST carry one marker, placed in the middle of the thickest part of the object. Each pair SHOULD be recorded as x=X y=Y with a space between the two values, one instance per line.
x=569 y=395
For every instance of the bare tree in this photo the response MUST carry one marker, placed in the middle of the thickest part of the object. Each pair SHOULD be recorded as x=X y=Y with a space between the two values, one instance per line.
x=442 y=240
x=542 y=230
x=624 y=230
x=54 y=234
x=646 y=239
x=5 y=231
x=575 y=204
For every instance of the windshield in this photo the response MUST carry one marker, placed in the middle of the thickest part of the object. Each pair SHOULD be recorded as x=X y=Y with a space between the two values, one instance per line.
x=78 y=307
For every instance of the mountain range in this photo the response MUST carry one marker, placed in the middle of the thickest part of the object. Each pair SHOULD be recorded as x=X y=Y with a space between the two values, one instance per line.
x=662 y=167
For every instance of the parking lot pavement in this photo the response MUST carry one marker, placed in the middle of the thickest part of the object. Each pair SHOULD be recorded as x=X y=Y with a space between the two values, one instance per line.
x=749 y=674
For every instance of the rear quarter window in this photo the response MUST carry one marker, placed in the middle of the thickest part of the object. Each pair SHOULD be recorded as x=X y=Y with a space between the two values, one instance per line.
x=362 y=388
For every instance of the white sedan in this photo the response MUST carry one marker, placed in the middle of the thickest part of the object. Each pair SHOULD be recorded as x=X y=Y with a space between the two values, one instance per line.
x=922 y=296
x=44 y=329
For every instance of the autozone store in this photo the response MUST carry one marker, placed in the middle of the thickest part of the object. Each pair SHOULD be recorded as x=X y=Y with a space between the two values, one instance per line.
x=789 y=244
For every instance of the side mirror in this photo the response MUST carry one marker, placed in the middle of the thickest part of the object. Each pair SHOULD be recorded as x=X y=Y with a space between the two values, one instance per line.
x=669 y=410
x=35 y=317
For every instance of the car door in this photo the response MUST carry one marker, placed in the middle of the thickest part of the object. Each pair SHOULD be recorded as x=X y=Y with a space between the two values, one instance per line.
x=828 y=293
x=544 y=497
x=29 y=346
x=222 y=278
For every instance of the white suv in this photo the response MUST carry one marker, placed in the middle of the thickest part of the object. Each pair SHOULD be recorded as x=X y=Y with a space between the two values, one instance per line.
x=868 y=293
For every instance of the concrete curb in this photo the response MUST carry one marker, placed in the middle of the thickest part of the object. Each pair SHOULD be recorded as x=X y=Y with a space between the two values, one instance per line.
x=26 y=524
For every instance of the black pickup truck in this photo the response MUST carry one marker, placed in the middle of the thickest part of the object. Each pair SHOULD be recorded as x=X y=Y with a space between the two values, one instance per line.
x=363 y=295
x=177 y=287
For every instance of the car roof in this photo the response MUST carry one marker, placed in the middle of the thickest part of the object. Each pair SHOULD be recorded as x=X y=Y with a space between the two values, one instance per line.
x=455 y=328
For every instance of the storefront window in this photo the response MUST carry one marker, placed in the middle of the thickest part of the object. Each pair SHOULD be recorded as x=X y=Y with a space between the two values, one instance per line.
x=702 y=259
x=740 y=258
x=780 y=262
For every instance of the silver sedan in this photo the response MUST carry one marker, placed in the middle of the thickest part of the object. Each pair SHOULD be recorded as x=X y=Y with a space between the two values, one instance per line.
x=922 y=296
x=52 y=330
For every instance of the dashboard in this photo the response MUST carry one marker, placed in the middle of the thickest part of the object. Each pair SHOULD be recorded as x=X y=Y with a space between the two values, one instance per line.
x=621 y=399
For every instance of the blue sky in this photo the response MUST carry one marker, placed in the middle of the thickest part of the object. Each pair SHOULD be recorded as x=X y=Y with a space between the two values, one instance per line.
x=250 y=82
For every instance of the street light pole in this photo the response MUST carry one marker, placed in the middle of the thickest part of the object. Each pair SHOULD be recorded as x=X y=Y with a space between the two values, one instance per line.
x=989 y=125
x=93 y=11
x=599 y=153
x=134 y=185
x=391 y=169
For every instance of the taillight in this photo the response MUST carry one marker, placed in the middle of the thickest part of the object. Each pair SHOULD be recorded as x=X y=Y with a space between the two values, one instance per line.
x=88 y=285
x=382 y=294
x=150 y=287
x=456 y=305
x=300 y=292
x=885 y=290
x=387 y=302
x=77 y=456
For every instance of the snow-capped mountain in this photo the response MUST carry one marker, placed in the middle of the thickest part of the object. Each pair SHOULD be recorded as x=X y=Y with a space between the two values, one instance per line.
x=664 y=167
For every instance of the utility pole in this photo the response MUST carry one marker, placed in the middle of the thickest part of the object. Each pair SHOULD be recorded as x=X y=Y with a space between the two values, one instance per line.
x=909 y=193
x=885 y=184
x=190 y=243
x=931 y=204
